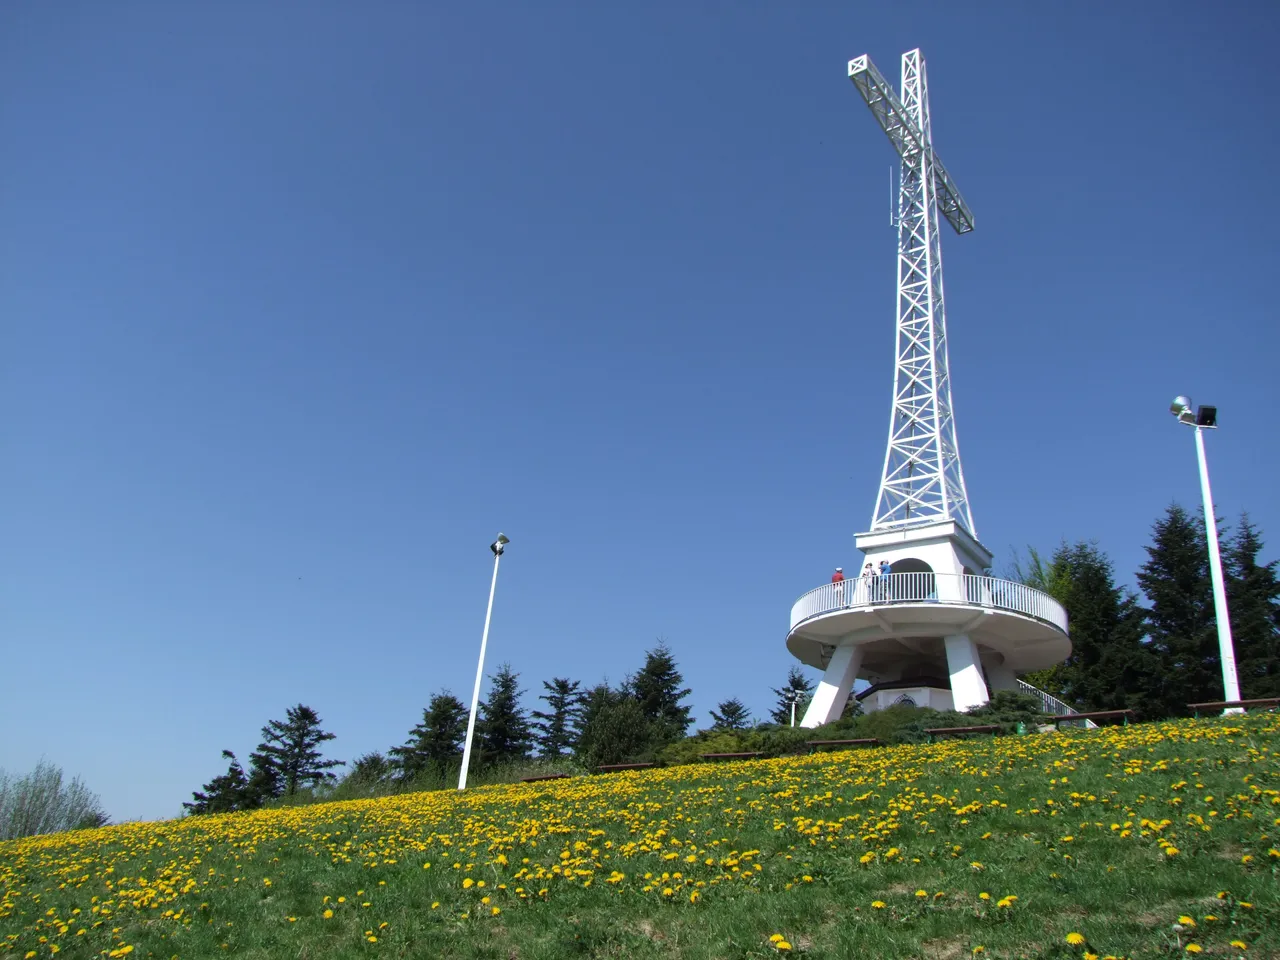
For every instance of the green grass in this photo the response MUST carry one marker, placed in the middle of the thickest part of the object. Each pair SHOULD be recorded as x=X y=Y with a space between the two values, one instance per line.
x=1113 y=834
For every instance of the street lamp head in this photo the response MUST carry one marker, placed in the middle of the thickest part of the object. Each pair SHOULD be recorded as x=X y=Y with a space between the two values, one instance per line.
x=498 y=545
x=1181 y=408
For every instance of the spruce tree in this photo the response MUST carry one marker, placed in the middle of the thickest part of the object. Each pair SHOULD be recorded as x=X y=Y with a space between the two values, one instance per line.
x=1180 y=621
x=289 y=751
x=657 y=689
x=555 y=727
x=503 y=727
x=798 y=688
x=223 y=793
x=435 y=744
x=1110 y=666
x=613 y=728
x=1253 y=596
x=370 y=769
x=731 y=714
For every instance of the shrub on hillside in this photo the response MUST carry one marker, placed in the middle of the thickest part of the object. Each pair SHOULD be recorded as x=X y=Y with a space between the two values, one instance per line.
x=41 y=803
x=1009 y=708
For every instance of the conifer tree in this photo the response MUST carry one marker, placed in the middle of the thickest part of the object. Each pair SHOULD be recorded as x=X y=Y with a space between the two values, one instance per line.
x=1253 y=596
x=657 y=689
x=731 y=714
x=370 y=769
x=555 y=727
x=503 y=728
x=1110 y=666
x=613 y=728
x=798 y=688
x=435 y=744
x=222 y=794
x=1180 y=621
x=288 y=752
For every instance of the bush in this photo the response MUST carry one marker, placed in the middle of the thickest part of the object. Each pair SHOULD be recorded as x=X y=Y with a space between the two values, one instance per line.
x=41 y=803
x=1009 y=708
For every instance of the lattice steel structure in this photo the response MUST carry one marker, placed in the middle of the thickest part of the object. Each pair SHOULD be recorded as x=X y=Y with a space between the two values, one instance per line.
x=922 y=481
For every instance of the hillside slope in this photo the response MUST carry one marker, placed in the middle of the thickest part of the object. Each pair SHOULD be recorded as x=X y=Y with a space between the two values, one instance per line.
x=1151 y=840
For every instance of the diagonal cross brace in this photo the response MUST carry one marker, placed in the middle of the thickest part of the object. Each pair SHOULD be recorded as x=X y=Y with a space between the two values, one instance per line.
x=907 y=139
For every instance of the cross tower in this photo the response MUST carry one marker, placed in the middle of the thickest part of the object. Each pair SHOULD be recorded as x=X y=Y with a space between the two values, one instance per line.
x=922 y=481
x=927 y=626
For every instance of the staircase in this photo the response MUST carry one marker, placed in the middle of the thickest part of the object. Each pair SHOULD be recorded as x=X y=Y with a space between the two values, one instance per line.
x=1050 y=704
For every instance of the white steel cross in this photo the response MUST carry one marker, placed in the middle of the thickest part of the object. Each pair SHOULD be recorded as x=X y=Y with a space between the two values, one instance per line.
x=922 y=481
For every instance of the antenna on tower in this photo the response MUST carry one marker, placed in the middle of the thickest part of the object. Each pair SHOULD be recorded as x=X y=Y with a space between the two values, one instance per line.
x=893 y=213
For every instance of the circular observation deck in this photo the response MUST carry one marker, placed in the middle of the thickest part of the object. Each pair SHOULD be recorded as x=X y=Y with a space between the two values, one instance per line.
x=903 y=618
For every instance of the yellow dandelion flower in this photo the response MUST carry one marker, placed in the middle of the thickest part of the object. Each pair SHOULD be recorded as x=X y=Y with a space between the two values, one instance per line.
x=1239 y=944
x=1075 y=939
x=1186 y=921
x=328 y=914
x=922 y=893
x=1193 y=948
x=984 y=895
x=877 y=904
x=468 y=883
x=495 y=911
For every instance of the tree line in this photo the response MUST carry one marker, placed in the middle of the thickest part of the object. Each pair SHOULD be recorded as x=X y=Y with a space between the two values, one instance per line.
x=634 y=720
x=1156 y=653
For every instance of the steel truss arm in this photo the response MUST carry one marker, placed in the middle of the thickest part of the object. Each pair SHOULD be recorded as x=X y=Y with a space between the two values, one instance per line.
x=907 y=138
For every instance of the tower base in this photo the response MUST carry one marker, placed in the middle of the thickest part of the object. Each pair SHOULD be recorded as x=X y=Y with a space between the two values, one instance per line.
x=934 y=627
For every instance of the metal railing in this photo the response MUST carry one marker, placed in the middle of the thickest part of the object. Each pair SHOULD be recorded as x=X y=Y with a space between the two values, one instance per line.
x=946 y=588
x=1050 y=704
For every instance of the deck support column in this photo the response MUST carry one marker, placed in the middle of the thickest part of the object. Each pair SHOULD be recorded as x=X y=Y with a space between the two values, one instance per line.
x=829 y=699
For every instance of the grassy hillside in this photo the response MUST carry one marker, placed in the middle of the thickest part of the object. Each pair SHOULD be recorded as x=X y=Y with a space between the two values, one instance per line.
x=1155 y=840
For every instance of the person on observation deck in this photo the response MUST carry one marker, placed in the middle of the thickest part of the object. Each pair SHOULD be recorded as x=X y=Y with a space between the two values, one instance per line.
x=885 y=570
x=838 y=579
x=868 y=582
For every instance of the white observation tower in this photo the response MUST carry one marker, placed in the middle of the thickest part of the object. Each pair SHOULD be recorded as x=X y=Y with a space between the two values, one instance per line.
x=935 y=630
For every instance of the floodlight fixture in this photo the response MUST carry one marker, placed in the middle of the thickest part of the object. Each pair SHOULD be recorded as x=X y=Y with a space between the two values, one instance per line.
x=498 y=545
x=1181 y=408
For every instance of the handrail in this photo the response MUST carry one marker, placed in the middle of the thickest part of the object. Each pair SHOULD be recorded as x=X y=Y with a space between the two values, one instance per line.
x=944 y=588
x=1050 y=704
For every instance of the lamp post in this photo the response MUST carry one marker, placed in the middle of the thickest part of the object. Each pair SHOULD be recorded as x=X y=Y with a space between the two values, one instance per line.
x=497 y=547
x=1206 y=418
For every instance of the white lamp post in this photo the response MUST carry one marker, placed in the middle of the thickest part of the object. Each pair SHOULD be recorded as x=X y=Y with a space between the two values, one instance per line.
x=1206 y=418
x=497 y=547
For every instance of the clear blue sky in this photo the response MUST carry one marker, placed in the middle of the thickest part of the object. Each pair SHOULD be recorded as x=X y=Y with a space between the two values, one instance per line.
x=302 y=302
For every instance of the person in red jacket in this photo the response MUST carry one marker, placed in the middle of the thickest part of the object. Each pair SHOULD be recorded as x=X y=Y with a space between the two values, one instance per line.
x=838 y=579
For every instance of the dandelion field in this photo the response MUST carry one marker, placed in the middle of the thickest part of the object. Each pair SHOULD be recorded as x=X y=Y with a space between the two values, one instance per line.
x=1146 y=841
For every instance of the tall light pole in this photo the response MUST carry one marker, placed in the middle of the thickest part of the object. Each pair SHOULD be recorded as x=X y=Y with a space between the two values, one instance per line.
x=1206 y=418
x=497 y=547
